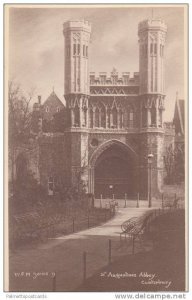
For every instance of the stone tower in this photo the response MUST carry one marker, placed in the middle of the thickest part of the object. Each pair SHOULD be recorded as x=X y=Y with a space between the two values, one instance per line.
x=152 y=35
x=76 y=51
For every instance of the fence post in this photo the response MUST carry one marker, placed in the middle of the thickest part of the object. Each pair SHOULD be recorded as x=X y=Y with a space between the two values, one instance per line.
x=148 y=225
x=133 y=245
x=109 y=258
x=54 y=283
x=110 y=211
x=113 y=196
x=125 y=200
x=73 y=225
x=101 y=200
x=88 y=221
x=84 y=265
x=137 y=200
x=175 y=201
x=162 y=197
x=105 y=214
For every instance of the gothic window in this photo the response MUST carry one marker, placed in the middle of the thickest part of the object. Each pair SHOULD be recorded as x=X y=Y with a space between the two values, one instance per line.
x=74 y=49
x=84 y=116
x=50 y=185
x=58 y=109
x=47 y=109
x=76 y=116
x=127 y=118
x=108 y=117
x=83 y=50
x=114 y=114
x=97 y=117
x=91 y=118
x=103 y=117
x=153 y=116
x=78 y=49
x=144 y=117
x=131 y=118
x=120 y=118
x=155 y=49
x=160 y=118
x=86 y=51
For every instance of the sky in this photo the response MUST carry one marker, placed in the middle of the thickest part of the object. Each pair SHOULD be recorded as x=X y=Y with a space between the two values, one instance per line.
x=36 y=46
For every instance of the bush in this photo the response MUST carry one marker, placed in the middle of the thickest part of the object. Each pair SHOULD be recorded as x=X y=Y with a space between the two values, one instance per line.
x=26 y=192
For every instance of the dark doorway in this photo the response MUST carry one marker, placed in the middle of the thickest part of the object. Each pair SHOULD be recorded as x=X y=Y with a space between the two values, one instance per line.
x=115 y=174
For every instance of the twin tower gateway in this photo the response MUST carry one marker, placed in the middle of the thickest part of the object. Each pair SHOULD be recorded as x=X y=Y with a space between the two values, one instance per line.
x=113 y=140
x=115 y=122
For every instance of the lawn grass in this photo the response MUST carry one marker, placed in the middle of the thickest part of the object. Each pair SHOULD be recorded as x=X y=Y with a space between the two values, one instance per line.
x=161 y=269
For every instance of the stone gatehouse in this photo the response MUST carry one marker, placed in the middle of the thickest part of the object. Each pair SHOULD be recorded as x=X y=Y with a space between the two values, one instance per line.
x=114 y=121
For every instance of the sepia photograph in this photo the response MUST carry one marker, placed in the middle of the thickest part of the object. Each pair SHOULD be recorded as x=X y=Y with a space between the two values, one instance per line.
x=96 y=141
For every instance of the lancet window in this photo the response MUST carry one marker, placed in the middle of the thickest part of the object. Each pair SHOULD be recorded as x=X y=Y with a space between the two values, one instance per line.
x=153 y=116
x=76 y=116
x=91 y=118
x=144 y=117
x=131 y=118
x=120 y=118
x=97 y=117
x=103 y=117
x=114 y=117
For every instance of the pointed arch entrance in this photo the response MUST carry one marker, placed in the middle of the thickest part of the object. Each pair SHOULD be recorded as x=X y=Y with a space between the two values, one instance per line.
x=113 y=171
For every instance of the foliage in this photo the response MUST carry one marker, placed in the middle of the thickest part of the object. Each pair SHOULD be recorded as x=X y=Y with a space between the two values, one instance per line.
x=26 y=194
x=19 y=113
x=60 y=121
x=57 y=124
x=174 y=162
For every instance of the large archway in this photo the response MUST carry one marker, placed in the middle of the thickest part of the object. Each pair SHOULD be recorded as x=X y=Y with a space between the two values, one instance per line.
x=113 y=171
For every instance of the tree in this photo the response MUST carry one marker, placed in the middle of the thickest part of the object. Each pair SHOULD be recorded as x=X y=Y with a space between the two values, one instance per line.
x=19 y=114
x=57 y=124
x=60 y=121
x=179 y=163
x=174 y=162
x=169 y=164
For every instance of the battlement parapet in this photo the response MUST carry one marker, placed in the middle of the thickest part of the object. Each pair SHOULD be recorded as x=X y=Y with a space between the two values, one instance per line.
x=114 y=78
x=77 y=25
x=152 y=24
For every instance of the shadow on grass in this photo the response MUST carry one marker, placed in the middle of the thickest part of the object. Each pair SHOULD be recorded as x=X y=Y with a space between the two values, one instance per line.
x=162 y=269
